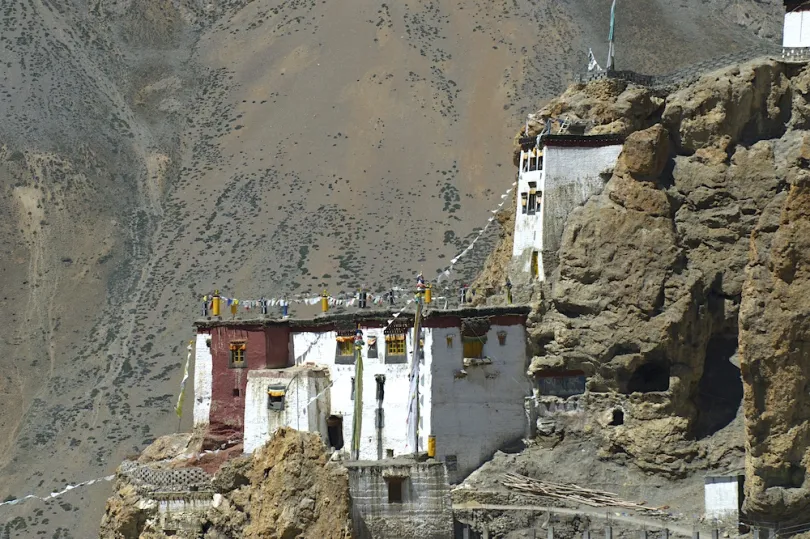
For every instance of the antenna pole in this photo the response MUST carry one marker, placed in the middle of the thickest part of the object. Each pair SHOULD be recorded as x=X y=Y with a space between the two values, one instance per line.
x=611 y=51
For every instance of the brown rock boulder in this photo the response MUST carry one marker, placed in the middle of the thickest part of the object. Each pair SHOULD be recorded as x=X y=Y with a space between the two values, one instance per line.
x=645 y=153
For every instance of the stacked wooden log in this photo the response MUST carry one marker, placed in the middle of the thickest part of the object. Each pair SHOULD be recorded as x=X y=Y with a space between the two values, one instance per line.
x=573 y=493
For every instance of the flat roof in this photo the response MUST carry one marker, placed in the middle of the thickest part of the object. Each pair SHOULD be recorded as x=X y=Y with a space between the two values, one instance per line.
x=396 y=462
x=365 y=315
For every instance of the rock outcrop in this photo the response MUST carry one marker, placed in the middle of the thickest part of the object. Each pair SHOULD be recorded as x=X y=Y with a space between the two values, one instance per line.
x=697 y=245
x=288 y=488
x=775 y=350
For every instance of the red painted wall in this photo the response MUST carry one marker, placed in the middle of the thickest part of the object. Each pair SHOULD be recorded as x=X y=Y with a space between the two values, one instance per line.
x=267 y=347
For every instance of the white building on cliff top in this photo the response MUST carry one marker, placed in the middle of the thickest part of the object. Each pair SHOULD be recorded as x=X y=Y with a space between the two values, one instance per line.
x=557 y=173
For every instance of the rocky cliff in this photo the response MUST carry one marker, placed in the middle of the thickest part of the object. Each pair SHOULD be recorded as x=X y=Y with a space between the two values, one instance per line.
x=288 y=488
x=153 y=150
x=690 y=266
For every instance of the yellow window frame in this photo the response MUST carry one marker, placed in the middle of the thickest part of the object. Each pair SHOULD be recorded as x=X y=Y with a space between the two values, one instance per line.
x=345 y=346
x=238 y=353
x=395 y=345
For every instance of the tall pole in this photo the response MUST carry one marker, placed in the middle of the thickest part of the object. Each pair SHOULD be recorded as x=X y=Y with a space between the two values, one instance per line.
x=417 y=329
x=610 y=36
x=357 y=420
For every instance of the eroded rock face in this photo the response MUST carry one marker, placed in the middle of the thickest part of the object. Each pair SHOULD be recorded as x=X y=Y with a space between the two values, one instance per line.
x=652 y=287
x=775 y=350
x=288 y=488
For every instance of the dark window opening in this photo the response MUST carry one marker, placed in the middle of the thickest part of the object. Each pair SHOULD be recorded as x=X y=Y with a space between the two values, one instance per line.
x=334 y=431
x=236 y=392
x=372 y=348
x=649 y=377
x=275 y=398
x=720 y=390
x=395 y=489
x=380 y=378
x=532 y=198
x=524 y=203
x=617 y=419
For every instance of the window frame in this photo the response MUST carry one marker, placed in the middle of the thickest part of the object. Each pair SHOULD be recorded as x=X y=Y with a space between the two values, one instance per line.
x=237 y=349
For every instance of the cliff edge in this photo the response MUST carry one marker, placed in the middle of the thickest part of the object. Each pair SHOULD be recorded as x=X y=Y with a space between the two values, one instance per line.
x=679 y=287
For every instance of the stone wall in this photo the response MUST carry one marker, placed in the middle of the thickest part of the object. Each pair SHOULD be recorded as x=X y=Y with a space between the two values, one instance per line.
x=424 y=512
x=149 y=479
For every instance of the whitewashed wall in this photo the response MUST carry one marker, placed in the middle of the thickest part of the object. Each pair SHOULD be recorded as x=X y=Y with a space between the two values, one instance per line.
x=302 y=410
x=528 y=228
x=320 y=349
x=797 y=29
x=722 y=496
x=203 y=375
x=571 y=176
x=474 y=415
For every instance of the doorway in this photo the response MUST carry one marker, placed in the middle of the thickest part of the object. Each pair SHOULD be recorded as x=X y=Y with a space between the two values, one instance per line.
x=334 y=430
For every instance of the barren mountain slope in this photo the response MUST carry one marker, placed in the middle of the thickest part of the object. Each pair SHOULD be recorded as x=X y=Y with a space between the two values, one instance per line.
x=155 y=149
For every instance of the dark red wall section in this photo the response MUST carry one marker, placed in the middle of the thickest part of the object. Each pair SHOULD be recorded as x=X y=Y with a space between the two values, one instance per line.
x=264 y=345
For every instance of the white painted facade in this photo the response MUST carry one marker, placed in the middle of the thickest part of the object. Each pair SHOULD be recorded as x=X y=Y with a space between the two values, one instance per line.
x=796 y=32
x=203 y=376
x=320 y=349
x=722 y=496
x=563 y=178
x=471 y=411
x=477 y=409
x=528 y=235
x=306 y=403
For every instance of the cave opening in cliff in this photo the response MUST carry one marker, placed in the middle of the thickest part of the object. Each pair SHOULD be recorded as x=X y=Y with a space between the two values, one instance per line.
x=649 y=377
x=720 y=390
x=617 y=418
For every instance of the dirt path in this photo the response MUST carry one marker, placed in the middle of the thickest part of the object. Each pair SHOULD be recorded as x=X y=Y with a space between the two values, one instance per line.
x=675 y=529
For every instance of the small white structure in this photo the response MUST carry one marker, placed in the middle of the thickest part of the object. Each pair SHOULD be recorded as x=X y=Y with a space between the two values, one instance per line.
x=797 y=24
x=203 y=379
x=723 y=496
x=557 y=173
x=296 y=397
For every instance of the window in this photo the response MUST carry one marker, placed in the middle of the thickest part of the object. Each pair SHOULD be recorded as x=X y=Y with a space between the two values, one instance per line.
x=351 y=395
x=524 y=203
x=344 y=354
x=395 y=349
x=345 y=346
x=236 y=392
x=449 y=341
x=395 y=489
x=535 y=265
x=372 y=347
x=395 y=346
x=237 y=360
x=502 y=338
x=275 y=398
x=473 y=347
x=532 y=198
